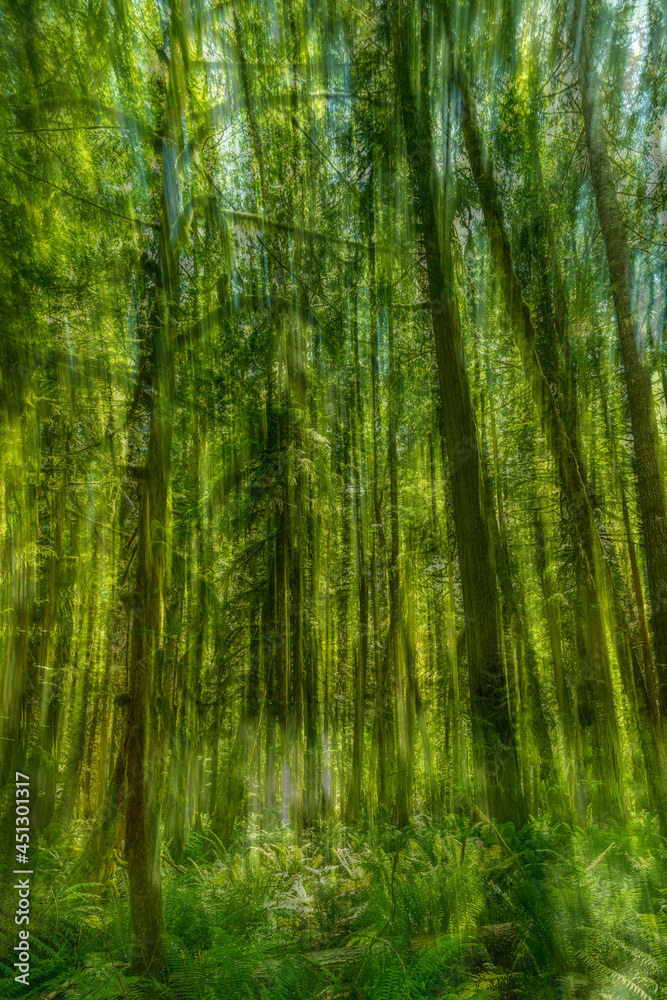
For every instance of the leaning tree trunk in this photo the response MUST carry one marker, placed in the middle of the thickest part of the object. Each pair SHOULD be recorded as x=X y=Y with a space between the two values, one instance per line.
x=595 y=689
x=637 y=376
x=494 y=748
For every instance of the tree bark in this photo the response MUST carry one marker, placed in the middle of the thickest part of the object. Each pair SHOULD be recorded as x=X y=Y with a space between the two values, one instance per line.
x=361 y=654
x=595 y=691
x=494 y=748
x=646 y=441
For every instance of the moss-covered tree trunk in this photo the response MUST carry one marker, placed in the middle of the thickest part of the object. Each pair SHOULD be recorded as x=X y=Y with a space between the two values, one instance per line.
x=497 y=783
x=595 y=696
x=636 y=373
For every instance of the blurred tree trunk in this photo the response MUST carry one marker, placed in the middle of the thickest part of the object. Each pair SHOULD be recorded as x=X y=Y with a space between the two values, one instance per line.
x=383 y=709
x=144 y=778
x=595 y=697
x=403 y=713
x=143 y=807
x=494 y=748
x=361 y=653
x=77 y=737
x=637 y=376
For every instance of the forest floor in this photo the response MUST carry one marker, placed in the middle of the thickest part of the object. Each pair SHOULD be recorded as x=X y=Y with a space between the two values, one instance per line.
x=446 y=911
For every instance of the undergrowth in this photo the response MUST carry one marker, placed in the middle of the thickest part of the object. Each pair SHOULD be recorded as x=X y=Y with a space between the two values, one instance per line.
x=545 y=913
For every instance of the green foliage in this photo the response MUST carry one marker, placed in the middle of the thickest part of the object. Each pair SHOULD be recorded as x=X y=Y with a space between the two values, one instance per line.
x=242 y=640
x=554 y=913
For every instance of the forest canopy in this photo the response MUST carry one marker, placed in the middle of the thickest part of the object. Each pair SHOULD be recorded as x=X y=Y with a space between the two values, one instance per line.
x=333 y=518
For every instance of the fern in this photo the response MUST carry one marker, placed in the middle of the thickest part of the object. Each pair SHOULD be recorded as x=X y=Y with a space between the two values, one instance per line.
x=342 y=918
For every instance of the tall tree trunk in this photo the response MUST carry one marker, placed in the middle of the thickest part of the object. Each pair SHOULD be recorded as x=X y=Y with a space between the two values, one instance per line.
x=637 y=376
x=343 y=592
x=361 y=653
x=595 y=690
x=394 y=644
x=497 y=776
x=142 y=818
x=142 y=827
x=383 y=713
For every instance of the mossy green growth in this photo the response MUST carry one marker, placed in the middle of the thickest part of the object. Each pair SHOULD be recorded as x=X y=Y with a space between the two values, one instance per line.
x=446 y=911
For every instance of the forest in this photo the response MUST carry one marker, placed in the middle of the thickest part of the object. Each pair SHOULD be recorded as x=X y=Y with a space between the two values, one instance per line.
x=333 y=512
